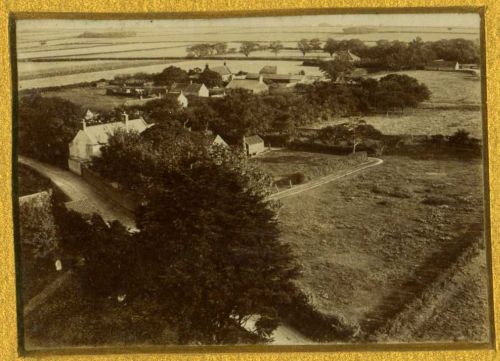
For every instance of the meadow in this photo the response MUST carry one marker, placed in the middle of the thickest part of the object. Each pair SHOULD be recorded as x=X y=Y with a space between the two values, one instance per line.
x=370 y=244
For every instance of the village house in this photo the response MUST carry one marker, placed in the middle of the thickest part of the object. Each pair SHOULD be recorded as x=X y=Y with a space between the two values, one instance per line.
x=253 y=86
x=190 y=89
x=224 y=72
x=253 y=145
x=88 y=141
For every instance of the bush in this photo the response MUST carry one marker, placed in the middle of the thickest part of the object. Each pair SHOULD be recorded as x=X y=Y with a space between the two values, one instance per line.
x=298 y=178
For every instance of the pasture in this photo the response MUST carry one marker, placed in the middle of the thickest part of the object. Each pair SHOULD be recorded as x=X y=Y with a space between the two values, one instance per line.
x=368 y=244
x=89 y=98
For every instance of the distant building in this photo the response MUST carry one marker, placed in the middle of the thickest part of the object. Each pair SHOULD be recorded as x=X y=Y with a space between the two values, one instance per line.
x=217 y=93
x=253 y=145
x=190 y=89
x=253 y=86
x=101 y=83
x=215 y=139
x=88 y=141
x=269 y=69
x=224 y=72
x=290 y=79
x=443 y=65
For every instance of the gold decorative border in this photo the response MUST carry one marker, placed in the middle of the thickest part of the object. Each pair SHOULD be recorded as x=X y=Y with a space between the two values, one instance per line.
x=98 y=9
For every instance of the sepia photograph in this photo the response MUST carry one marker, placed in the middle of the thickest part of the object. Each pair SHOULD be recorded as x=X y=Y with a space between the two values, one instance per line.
x=260 y=180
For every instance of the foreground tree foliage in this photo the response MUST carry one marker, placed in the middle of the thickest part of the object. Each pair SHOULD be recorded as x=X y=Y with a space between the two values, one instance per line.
x=208 y=250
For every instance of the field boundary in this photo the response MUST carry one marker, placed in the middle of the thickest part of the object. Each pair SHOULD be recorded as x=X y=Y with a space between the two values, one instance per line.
x=372 y=162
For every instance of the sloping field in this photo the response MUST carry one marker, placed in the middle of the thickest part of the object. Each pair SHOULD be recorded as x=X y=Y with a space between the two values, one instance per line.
x=369 y=243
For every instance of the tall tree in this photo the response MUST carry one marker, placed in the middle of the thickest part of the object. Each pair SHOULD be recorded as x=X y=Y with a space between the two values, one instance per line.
x=335 y=68
x=276 y=47
x=170 y=75
x=315 y=44
x=331 y=46
x=304 y=46
x=220 y=48
x=248 y=46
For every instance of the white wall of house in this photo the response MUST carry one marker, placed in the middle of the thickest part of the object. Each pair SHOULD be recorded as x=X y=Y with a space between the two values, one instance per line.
x=203 y=92
x=253 y=149
x=78 y=147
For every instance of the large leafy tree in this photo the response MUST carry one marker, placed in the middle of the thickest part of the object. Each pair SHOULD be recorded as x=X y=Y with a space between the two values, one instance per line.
x=248 y=46
x=170 y=75
x=46 y=126
x=304 y=46
x=208 y=250
x=276 y=47
x=210 y=78
x=331 y=46
x=335 y=68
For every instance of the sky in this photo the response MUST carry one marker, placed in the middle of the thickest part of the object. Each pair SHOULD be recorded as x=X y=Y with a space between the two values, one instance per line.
x=468 y=20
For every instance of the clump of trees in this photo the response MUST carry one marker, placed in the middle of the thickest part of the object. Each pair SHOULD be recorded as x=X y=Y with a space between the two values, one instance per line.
x=308 y=45
x=351 y=133
x=207 y=49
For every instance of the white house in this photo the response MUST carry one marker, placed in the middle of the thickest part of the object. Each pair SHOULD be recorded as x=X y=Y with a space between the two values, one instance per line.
x=253 y=145
x=88 y=141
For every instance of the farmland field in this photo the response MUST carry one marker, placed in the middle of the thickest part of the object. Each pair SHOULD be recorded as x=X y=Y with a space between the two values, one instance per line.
x=363 y=240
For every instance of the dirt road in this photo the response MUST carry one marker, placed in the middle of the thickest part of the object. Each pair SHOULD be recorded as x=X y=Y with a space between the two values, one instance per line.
x=77 y=189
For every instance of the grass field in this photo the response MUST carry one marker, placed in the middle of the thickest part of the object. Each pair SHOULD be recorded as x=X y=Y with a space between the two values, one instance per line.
x=362 y=240
x=89 y=98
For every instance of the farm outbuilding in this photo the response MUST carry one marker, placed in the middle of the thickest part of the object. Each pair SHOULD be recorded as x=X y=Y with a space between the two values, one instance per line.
x=190 y=89
x=253 y=86
x=253 y=145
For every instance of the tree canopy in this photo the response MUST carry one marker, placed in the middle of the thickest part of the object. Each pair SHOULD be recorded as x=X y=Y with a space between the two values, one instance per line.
x=208 y=250
x=248 y=46
x=46 y=125
x=170 y=75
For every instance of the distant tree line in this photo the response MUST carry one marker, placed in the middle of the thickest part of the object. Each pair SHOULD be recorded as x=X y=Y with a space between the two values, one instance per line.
x=207 y=49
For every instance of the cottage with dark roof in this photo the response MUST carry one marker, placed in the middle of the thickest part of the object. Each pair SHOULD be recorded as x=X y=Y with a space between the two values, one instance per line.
x=224 y=72
x=253 y=145
x=190 y=89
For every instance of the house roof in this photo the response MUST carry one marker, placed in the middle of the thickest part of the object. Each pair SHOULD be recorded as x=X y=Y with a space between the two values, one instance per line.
x=222 y=70
x=186 y=87
x=247 y=84
x=276 y=77
x=253 y=139
x=99 y=133
x=269 y=69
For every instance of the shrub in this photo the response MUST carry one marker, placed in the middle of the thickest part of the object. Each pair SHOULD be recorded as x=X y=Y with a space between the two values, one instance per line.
x=298 y=178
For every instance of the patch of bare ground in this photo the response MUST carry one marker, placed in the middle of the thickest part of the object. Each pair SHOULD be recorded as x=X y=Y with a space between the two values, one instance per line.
x=371 y=243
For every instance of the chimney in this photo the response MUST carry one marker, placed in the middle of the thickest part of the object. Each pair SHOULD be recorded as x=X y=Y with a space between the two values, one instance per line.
x=125 y=120
x=261 y=79
x=84 y=124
